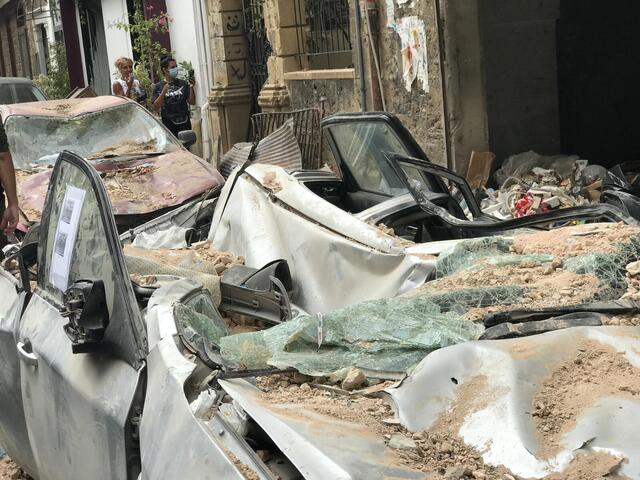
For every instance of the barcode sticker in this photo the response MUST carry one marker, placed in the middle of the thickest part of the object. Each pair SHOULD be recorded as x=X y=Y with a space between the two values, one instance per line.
x=67 y=211
x=61 y=243
x=65 y=238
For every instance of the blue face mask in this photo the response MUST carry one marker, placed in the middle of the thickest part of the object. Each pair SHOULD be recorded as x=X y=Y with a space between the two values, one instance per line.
x=173 y=72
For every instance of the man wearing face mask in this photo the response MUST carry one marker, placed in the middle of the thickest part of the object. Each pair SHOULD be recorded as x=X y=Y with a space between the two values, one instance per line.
x=172 y=97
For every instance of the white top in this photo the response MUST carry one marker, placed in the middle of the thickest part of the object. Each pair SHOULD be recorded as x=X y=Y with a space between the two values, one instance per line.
x=135 y=86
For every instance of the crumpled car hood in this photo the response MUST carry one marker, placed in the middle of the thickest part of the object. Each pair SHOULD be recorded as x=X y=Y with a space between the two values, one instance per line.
x=136 y=186
x=319 y=446
x=532 y=404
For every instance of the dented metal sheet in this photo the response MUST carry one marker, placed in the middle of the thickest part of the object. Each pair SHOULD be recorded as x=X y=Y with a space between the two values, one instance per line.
x=533 y=404
x=336 y=260
x=320 y=446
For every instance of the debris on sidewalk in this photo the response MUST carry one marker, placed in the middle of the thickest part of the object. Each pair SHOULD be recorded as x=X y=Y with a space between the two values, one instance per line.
x=529 y=183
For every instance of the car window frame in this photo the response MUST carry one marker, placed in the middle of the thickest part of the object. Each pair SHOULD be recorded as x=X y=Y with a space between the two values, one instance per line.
x=120 y=271
x=485 y=224
x=30 y=87
x=396 y=126
x=170 y=135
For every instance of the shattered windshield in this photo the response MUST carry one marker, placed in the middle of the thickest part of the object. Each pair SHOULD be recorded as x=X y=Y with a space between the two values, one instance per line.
x=364 y=147
x=126 y=130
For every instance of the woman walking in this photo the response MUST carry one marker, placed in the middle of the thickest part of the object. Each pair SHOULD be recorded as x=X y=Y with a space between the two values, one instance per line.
x=172 y=97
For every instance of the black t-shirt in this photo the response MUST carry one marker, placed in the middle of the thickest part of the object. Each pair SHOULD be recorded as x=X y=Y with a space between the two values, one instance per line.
x=175 y=106
x=4 y=147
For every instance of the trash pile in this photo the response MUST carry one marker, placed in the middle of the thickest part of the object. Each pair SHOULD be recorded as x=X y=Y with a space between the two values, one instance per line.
x=529 y=183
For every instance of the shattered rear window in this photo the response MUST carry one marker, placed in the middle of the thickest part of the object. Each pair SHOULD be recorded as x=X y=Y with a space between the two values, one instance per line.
x=122 y=131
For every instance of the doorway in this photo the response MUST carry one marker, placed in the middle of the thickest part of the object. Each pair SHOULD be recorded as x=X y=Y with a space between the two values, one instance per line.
x=560 y=76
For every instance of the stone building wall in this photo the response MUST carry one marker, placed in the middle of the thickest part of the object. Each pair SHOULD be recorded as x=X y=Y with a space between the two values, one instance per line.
x=8 y=22
x=293 y=84
x=420 y=111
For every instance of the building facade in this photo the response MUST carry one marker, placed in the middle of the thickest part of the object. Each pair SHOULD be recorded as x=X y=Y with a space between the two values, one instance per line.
x=507 y=76
x=275 y=55
x=28 y=28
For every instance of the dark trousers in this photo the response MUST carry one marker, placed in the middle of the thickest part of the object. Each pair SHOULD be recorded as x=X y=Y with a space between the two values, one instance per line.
x=173 y=128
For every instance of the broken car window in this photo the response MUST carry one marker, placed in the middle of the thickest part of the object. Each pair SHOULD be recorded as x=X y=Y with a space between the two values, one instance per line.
x=364 y=146
x=126 y=130
x=76 y=247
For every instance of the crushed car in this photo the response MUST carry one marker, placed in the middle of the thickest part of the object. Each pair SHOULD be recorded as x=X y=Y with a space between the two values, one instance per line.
x=146 y=170
x=310 y=344
x=373 y=168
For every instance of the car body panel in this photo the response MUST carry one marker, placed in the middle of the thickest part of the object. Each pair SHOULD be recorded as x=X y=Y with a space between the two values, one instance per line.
x=76 y=405
x=319 y=446
x=168 y=423
x=336 y=260
x=159 y=182
x=501 y=426
x=14 y=437
x=61 y=108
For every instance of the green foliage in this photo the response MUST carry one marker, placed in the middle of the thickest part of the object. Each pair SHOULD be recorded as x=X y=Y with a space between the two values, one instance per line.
x=55 y=84
x=185 y=67
x=145 y=49
x=147 y=52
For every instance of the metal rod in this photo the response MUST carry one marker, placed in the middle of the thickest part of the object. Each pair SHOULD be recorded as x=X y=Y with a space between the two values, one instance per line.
x=361 y=82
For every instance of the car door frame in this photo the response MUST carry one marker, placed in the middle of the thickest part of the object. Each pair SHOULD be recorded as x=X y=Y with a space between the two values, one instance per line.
x=484 y=224
x=81 y=409
x=351 y=186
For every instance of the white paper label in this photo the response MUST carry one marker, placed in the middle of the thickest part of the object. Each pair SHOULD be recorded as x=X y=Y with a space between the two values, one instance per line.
x=65 y=238
x=391 y=14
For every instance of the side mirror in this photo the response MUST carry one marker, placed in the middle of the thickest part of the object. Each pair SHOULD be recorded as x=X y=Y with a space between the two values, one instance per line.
x=187 y=138
x=85 y=305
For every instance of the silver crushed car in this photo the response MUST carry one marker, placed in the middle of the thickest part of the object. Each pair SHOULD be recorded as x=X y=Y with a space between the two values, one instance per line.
x=319 y=347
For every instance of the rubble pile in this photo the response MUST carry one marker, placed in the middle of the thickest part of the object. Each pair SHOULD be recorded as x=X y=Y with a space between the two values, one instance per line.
x=128 y=184
x=437 y=452
x=529 y=183
x=10 y=471
x=197 y=255
x=596 y=371
x=562 y=267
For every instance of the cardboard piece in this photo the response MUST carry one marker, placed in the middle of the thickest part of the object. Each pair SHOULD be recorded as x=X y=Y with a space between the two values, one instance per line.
x=479 y=169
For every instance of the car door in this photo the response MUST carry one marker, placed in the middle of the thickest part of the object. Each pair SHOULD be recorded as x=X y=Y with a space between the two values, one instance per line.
x=81 y=356
x=13 y=428
x=360 y=144
x=462 y=214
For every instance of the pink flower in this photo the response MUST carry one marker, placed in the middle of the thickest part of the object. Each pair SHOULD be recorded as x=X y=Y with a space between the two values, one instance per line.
x=162 y=21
